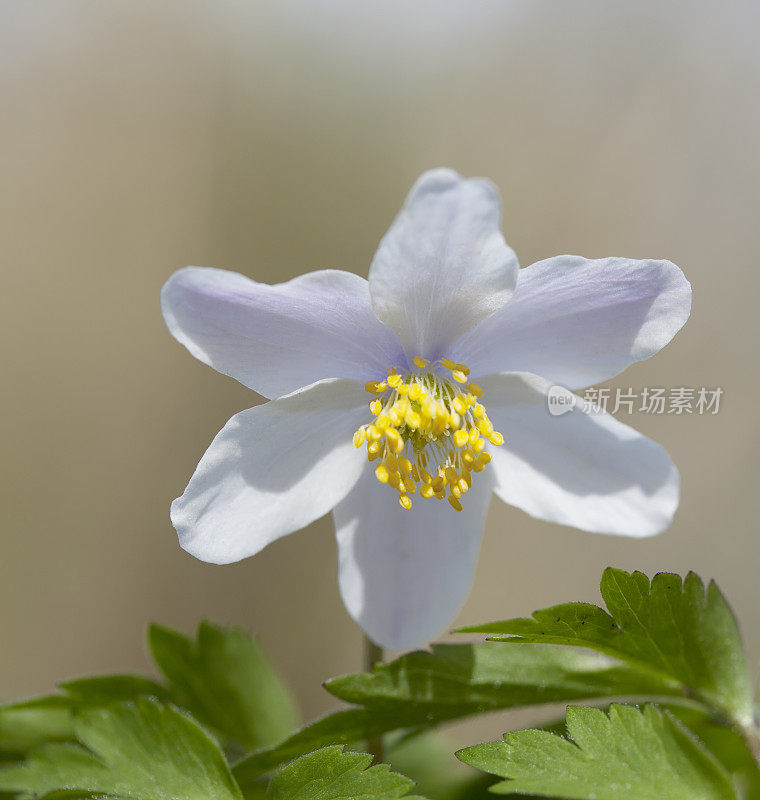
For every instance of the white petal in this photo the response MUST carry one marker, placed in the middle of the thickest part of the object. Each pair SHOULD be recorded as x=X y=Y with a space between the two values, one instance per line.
x=578 y=321
x=444 y=265
x=276 y=339
x=404 y=574
x=271 y=470
x=585 y=470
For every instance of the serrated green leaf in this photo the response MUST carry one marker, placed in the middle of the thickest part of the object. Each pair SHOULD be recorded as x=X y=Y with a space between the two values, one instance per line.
x=335 y=774
x=672 y=628
x=225 y=680
x=625 y=753
x=423 y=689
x=136 y=750
x=105 y=689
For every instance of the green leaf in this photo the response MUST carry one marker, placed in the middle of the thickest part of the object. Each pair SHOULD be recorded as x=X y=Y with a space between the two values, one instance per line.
x=334 y=774
x=105 y=689
x=225 y=680
x=26 y=725
x=137 y=750
x=423 y=689
x=625 y=753
x=672 y=628
x=24 y=729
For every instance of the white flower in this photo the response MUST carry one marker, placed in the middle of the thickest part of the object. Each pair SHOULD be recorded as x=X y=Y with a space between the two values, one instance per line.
x=424 y=368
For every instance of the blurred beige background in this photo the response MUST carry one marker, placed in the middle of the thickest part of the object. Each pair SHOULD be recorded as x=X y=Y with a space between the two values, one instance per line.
x=279 y=137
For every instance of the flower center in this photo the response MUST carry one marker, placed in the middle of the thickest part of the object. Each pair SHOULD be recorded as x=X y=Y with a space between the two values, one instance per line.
x=429 y=432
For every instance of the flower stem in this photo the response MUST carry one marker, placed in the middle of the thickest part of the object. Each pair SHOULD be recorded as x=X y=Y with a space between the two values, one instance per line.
x=373 y=655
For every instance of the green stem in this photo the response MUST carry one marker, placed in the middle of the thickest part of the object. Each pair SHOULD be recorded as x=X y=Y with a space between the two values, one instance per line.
x=373 y=655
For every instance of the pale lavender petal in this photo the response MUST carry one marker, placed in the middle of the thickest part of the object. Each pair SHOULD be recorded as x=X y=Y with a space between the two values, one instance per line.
x=577 y=321
x=272 y=470
x=404 y=574
x=443 y=266
x=589 y=471
x=276 y=339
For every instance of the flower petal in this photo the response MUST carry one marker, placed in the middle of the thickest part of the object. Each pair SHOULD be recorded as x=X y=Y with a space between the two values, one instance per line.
x=578 y=321
x=276 y=339
x=585 y=470
x=271 y=470
x=404 y=574
x=444 y=265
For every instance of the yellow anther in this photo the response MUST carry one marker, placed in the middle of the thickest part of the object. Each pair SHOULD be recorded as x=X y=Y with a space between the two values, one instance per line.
x=427 y=431
x=412 y=419
x=455 y=504
x=452 y=476
x=496 y=439
x=485 y=427
x=460 y=438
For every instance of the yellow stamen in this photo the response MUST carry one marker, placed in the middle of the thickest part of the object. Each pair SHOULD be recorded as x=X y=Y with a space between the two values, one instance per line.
x=428 y=431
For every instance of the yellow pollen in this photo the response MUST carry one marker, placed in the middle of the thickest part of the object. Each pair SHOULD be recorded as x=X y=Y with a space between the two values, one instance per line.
x=428 y=431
